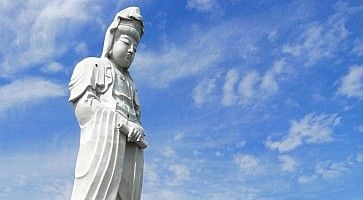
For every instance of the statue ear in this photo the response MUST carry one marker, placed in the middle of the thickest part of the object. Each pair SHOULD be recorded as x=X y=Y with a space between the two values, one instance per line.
x=110 y=52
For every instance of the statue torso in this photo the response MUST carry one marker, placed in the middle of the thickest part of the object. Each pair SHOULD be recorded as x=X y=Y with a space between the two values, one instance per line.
x=121 y=94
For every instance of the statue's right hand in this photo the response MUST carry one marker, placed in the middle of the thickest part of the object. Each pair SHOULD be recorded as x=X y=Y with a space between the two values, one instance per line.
x=135 y=132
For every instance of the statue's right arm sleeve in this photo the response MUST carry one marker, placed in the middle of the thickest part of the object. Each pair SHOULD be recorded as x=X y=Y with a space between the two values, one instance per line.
x=87 y=76
x=86 y=106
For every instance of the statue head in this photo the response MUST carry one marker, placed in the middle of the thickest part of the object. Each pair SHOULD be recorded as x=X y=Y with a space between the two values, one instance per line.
x=123 y=36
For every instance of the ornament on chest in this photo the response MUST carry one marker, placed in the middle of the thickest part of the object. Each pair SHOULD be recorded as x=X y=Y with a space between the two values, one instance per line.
x=123 y=89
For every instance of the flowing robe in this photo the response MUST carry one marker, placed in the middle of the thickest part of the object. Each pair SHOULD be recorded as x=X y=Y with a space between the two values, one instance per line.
x=108 y=167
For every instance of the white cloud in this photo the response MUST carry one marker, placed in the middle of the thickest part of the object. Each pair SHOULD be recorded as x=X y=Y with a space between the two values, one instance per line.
x=55 y=189
x=288 y=163
x=203 y=90
x=248 y=164
x=181 y=174
x=166 y=194
x=218 y=154
x=321 y=40
x=234 y=192
x=269 y=80
x=307 y=179
x=81 y=48
x=50 y=174
x=247 y=87
x=229 y=97
x=28 y=91
x=253 y=86
x=331 y=171
x=359 y=158
x=241 y=144
x=326 y=171
x=37 y=31
x=53 y=67
x=311 y=129
x=167 y=152
x=178 y=136
x=359 y=129
x=203 y=5
x=151 y=175
x=352 y=83
x=198 y=51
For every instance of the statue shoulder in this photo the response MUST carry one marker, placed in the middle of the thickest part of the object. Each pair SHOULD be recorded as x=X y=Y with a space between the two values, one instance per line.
x=93 y=72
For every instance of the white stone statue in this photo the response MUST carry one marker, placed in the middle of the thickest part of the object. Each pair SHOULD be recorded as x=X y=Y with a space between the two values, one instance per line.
x=110 y=158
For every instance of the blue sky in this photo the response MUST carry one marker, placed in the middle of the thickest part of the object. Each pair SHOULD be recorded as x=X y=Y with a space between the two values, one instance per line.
x=240 y=99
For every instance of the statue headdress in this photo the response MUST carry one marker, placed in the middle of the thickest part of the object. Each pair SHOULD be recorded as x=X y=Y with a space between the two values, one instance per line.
x=128 y=21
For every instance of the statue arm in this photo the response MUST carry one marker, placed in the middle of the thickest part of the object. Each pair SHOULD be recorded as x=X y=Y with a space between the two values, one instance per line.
x=86 y=106
x=87 y=83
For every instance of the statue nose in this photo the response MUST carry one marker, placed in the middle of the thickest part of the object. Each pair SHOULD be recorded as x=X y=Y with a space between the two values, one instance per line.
x=130 y=50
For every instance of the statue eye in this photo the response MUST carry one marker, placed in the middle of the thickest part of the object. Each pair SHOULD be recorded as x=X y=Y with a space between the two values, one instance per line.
x=125 y=41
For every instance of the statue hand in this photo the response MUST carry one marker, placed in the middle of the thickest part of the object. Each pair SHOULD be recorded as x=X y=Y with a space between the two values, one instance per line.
x=135 y=132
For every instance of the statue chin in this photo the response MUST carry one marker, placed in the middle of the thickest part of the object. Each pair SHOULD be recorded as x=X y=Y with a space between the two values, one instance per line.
x=121 y=64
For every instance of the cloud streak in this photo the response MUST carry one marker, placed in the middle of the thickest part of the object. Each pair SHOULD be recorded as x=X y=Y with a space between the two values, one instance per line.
x=352 y=83
x=312 y=129
x=201 y=50
x=39 y=31
x=28 y=91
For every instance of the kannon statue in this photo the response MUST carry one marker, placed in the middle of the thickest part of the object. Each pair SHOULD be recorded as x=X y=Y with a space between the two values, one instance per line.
x=110 y=158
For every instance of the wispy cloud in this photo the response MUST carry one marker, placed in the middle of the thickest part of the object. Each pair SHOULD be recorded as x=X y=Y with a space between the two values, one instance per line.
x=329 y=171
x=322 y=39
x=326 y=171
x=306 y=179
x=202 y=92
x=28 y=91
x=252 y=87
x=287 y=163
x=199 y=51
x=234 y=192
x=81 y=49
x=359 y=158
x=231 y=79
x=38 y=31
x=203 y=5
x=202 y=51
x=255 y=87
x=248 y=164
x=352 y=83
x=166 y=194
x=151 y=175
x=313 y=128
x=167 y=152
x=181 y=174
x=244 y=89
x=53 y=67
x=51 y=175
x=359 y=129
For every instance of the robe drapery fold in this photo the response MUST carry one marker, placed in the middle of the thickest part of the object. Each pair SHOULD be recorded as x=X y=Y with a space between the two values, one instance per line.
x=106 y=162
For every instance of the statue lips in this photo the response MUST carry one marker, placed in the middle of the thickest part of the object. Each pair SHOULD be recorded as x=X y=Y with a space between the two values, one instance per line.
x=128 y=57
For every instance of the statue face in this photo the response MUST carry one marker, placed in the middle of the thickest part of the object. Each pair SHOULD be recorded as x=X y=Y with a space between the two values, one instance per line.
x=123 y=51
